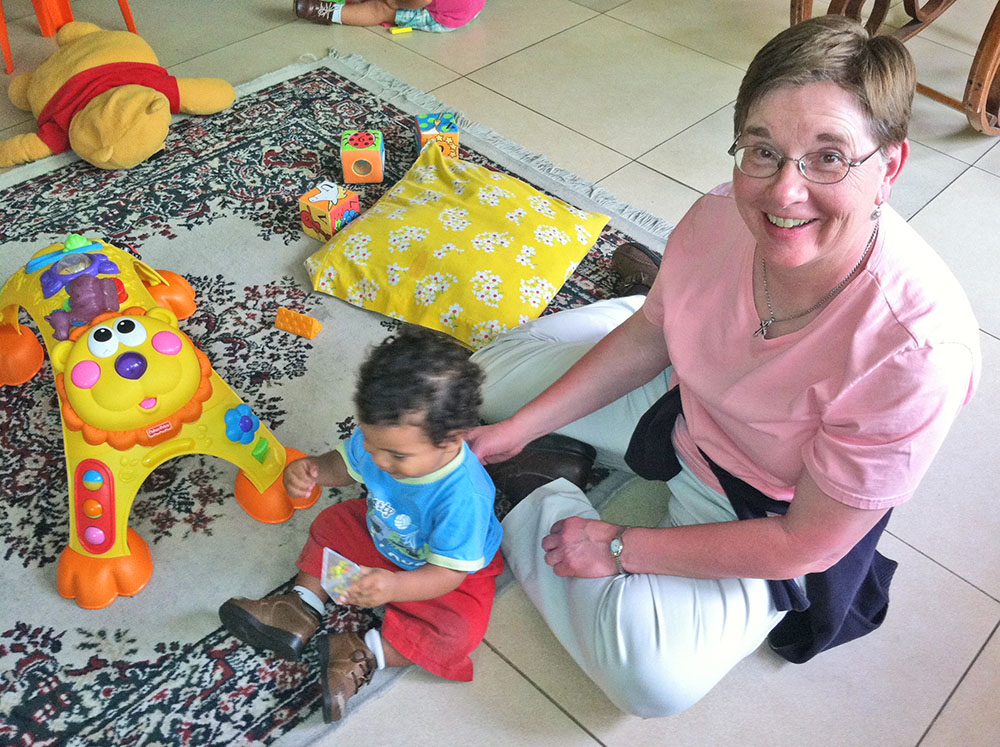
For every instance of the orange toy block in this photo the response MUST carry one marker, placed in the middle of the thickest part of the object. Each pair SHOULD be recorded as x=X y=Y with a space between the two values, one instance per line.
x=326 y=209
x=302 y=325
x=439 y=128
x=362 y=154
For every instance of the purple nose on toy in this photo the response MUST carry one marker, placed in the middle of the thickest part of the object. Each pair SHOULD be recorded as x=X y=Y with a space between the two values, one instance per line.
x=130 y=365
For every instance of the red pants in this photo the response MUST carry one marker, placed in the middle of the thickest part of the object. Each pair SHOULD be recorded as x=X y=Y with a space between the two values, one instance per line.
x=436 y=634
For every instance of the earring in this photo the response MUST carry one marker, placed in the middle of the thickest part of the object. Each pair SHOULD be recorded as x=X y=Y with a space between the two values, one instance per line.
x=877 y=212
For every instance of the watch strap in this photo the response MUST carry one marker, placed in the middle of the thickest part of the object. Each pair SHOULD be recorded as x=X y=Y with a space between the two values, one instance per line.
x=618 y=556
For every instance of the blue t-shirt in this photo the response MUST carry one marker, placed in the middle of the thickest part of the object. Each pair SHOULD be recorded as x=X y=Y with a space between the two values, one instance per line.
x=445 y=518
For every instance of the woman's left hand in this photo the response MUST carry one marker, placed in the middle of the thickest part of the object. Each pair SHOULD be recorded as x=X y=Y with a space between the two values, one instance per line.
x=581 y=547
x=375 y=587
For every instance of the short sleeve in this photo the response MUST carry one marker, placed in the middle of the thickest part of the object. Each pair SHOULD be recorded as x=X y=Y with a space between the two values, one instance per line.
x=877 y=439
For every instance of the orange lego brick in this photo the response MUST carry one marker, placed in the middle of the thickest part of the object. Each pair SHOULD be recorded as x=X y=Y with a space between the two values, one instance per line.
x=302 y=325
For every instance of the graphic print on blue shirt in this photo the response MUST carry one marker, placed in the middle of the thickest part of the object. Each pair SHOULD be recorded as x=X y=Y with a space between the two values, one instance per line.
x=445 y=518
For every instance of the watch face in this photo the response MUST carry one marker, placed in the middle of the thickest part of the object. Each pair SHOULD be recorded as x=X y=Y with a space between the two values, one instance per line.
x=616 y=547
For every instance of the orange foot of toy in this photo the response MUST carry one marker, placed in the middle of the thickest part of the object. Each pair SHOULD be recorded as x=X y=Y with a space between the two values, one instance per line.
x=96 y=582
x=273 y=505
x=22 y=355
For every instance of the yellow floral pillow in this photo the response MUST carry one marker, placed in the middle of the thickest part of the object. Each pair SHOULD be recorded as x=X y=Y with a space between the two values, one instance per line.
x=457 y=247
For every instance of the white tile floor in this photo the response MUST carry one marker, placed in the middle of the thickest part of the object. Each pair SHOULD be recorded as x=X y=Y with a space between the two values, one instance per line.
x=637 y=97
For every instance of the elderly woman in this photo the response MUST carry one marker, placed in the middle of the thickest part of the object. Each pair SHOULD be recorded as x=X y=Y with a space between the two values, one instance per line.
x=791 y=374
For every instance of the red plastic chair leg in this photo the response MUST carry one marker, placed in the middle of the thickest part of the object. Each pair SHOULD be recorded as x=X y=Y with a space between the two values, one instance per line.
x=52 y=15
x=127 y=15
x=8 y=60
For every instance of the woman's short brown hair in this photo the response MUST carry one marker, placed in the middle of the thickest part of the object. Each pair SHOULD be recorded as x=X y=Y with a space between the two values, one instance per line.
x=877 y=70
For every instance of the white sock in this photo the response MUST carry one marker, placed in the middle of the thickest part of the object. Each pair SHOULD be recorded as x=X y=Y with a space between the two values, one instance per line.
x=373 y=640
x=335 y=15
x=310 y=598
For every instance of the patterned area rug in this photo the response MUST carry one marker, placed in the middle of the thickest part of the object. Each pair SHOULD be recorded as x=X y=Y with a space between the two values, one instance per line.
x=218 y=205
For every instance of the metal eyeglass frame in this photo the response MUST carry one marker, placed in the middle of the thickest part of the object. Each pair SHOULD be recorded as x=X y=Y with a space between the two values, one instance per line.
x=782 y=160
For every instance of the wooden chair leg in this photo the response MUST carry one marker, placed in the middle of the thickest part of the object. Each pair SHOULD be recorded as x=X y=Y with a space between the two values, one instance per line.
x=982 y=92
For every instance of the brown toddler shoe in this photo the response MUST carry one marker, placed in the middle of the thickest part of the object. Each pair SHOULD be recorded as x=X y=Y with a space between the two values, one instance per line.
x=282 y=624
x=346 y=665
x=317 y=11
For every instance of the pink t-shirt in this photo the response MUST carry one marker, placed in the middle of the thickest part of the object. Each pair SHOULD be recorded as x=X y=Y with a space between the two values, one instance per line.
x=454 y=13
x=862 y=396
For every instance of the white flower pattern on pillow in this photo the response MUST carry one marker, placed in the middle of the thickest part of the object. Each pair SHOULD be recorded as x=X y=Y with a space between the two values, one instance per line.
x=454 y=219
x=445 y=249
x=484 y=332
x=449 y=317
x=486 y=288
x=542 y=205
x=537 y=291
x=550 y=235
x=430 y=287
x=491 y=195
x=395 y=273
x=362 y=291
x=356 y=249
x=491 y=240
x=524 y=256
x=401 y=238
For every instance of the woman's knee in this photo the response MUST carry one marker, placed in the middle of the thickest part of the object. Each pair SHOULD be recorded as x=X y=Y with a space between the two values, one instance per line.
x=655 y=694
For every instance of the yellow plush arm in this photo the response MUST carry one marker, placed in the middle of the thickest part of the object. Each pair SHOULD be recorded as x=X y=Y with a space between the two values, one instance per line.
x=22 y=149
x=205 y=95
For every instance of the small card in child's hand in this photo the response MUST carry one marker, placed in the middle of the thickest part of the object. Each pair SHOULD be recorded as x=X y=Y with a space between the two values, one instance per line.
x=338 y=572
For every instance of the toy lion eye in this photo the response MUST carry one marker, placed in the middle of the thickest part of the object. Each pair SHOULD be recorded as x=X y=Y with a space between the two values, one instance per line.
x=130 y=332
x=102 y=342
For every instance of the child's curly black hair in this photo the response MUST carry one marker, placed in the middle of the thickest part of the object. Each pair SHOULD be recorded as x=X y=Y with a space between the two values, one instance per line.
x=419 y=373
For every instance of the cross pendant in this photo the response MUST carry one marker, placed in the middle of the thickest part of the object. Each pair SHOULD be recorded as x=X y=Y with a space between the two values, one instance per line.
x=764 y=324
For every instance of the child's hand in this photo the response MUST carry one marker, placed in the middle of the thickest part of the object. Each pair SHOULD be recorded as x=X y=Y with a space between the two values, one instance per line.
x=300 y=477
x=376 y=586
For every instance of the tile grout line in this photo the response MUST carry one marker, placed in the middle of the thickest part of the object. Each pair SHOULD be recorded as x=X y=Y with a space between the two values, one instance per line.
x=548 y=697
x=943 y=566
x=958 y=684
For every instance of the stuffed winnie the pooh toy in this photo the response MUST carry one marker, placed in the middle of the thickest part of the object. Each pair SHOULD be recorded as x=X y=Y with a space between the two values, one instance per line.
x=103 y=94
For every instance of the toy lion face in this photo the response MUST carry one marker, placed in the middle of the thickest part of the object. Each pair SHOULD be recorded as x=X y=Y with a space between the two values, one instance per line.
x=131 y=378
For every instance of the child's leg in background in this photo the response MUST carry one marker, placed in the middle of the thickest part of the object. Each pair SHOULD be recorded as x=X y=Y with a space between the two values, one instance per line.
x=419 y=19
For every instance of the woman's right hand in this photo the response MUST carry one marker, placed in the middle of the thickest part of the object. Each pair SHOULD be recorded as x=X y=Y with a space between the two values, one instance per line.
x=300 y=477
x=495 y=443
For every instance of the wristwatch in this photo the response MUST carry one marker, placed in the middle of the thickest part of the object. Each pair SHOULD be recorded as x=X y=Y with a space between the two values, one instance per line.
x=616 y=547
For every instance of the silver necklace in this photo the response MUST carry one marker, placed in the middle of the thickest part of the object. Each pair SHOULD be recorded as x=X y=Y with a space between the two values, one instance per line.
x=765 y=323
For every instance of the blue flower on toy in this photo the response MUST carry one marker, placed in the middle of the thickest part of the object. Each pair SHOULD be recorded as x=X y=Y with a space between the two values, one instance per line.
x=350 y=215
x=241 y=424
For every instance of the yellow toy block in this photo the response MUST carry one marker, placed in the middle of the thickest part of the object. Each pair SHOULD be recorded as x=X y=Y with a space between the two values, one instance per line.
x=302 y=325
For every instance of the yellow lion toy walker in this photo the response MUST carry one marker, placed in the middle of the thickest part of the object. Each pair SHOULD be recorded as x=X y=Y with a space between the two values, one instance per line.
x=134 y=391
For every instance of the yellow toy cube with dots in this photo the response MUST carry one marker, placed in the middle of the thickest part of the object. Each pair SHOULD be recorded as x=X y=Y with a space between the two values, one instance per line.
x=326 y=209
x=440 y=128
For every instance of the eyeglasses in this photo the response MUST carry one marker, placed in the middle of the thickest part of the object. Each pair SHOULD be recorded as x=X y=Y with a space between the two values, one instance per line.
x=821 y=167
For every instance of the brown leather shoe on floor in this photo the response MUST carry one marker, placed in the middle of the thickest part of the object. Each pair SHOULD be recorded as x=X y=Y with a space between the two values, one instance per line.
x=282 y=624
x=317 y=11
x=637 y=266
x=346 y=665
x=542 y=461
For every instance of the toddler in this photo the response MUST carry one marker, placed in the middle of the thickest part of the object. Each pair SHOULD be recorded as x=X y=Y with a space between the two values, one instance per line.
x=425 y=15
x=426 y=536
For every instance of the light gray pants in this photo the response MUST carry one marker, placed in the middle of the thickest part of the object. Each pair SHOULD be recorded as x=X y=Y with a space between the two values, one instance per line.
x=654 y=644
